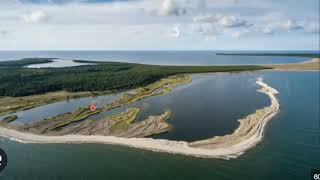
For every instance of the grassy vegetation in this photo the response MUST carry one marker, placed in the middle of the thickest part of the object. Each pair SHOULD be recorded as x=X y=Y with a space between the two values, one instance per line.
x=111 y=76
x=124 y=119
x=57 y=122
x=159 y=87
x=76 y=116
x=14 y=104
x=9 y=118
x=121 y=124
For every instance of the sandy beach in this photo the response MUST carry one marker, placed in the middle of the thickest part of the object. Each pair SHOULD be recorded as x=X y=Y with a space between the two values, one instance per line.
x=57 y=63
x=310 y=65
x=247 y=135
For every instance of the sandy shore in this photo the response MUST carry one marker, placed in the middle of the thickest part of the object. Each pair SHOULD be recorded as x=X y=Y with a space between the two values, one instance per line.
x=57 y=63
x=246 y=136
x=311 y=65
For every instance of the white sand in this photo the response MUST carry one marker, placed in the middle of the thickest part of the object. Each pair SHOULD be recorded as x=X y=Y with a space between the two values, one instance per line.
x=310 y=65
x=58 y=63
x=229 y=150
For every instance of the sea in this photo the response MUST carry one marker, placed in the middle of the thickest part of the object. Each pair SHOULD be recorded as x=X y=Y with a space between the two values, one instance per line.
x=209 y=106
x=159 y=57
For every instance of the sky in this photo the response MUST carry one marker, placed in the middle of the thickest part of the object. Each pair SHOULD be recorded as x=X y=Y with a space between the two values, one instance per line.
x=159 y=25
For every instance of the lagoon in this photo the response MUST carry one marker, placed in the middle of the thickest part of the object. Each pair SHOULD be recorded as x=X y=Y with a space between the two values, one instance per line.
x=208 y=106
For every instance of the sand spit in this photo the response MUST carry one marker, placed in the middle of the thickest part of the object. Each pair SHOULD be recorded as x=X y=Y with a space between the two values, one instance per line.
x=246 y=136
x=311 y=65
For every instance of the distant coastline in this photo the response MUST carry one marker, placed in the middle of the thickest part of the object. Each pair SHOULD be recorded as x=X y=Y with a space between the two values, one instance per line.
x=311 y=65
x=311 y=55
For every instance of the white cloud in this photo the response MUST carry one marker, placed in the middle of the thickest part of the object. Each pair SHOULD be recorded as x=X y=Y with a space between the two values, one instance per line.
x=252 y=32
x=226 y=21
x=180 y=7
x=38 y=16
x=268 y=31
x=206 y=29
x=230 y=21
x=312 y=27
x=98 y=23
x=204 y=18
x=287 y=26
x=172 y=7
x=239 y=34
x=175 y=31
x=290 y=25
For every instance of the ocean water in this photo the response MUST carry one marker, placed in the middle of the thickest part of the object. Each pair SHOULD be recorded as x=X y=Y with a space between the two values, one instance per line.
x=159 y=57
x=289 y=150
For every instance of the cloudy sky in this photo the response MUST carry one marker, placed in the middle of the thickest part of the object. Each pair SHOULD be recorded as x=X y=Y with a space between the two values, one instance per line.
x=159 y=24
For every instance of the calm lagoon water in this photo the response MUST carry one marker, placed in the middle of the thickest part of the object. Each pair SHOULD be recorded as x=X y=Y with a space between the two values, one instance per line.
x=290 y=149
x=54 y=109
x=208 y=106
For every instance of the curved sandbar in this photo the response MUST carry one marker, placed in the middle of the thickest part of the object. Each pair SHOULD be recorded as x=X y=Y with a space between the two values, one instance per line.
x=247 y=135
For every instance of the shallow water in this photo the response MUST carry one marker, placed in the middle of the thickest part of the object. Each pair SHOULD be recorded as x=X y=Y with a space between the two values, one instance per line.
x=54 y=109
x=289 y=150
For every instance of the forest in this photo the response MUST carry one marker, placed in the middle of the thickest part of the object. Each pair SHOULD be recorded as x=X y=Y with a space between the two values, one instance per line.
x=15 y=80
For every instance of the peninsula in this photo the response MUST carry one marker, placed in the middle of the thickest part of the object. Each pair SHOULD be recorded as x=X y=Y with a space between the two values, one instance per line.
x=25 y=88
x=248 y=134
x=311 y=65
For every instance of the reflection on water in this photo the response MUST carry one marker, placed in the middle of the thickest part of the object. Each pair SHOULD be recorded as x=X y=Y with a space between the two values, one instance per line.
x=54 y=109
x=289 y=150
x=210 y=105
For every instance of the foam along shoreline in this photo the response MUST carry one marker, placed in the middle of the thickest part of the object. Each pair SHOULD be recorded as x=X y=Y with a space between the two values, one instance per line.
x=246 y=136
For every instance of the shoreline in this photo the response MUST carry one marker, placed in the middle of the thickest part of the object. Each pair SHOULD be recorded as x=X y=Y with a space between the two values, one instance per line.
x=225 y=147
x=304 y=66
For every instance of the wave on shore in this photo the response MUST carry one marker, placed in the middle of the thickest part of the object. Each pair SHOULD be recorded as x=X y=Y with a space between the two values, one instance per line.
x=247 y=135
